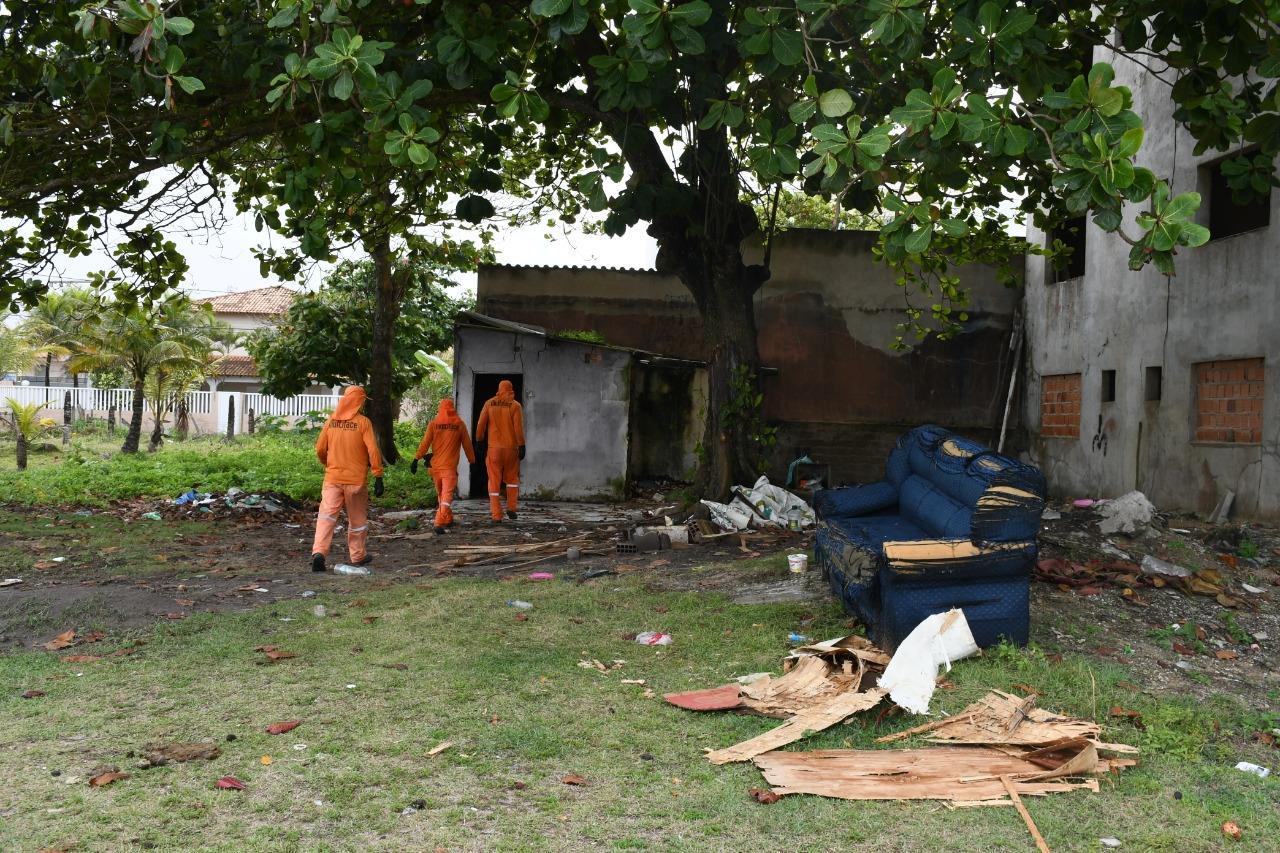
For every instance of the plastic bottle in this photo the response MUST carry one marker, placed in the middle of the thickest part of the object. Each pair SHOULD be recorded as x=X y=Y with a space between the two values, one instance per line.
x=348 y=569
x=520 y=605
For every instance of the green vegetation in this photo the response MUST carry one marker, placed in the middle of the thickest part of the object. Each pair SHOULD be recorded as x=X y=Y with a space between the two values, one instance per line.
x=90 y=474
x=522 y=715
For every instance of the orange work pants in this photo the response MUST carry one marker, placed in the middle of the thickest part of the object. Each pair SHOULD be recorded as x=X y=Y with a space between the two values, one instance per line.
x=504 y=467
x=332 y=498
x=446 y=485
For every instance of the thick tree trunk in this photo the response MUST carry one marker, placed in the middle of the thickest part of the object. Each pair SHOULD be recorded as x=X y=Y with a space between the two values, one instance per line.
x=22 y=451
x=381 y=407
x=157 y=429
x=134 y=435
x=48 y=363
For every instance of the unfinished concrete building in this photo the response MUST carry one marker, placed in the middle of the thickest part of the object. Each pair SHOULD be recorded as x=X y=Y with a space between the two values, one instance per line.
x=1138 y=381
x=835 y=387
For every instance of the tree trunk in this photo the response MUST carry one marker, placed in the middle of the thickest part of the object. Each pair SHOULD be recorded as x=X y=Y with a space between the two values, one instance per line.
x=381 y=407
x=157 y=430
x=48 y=363
x=134 y=435
x=22 y=451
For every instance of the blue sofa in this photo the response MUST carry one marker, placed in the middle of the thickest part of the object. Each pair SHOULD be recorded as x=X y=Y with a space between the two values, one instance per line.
x=953 y=524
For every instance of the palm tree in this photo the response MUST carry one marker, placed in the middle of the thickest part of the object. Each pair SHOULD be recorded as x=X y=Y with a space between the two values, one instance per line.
x=55 y=323
x=26 y=422
x=16 y=352
x=152 y=344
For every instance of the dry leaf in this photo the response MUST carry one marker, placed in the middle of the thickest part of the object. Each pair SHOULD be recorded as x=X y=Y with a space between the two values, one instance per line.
x=93 y=637
x=368 y=620
x=574 y=779
x=80 y=658
x=107 y=778
x=439 y=748
x=266 y=760
x=229 y=783
x=274 y=655
x=1134 y=717
x=403 y=667
x=66 y=638
x=1226 y=654
x=44 y=565
x=1231 y=830
x=522 y=617
x=184 y=602
x=33 y=694
x=761 y=795
x=282 y=727
x=1182 y=649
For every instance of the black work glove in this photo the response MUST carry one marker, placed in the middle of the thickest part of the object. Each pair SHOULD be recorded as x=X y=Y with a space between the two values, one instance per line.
x=413 y=467
x=378 y=488
x=520 y=453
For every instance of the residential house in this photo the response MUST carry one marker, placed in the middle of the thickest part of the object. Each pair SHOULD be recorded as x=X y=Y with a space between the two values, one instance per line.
x=246 y=312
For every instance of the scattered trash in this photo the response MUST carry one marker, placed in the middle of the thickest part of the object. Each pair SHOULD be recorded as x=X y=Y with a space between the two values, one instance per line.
x=1155 y=566
x=654 y=638
x=158 y=755
x=797 y=639
x=100 y=777
x=520 y=605
x=265 y=760
x=439 y=748
x=1250 y=767
x=1231 y=830
x=541 y=576
x=724 y=698
x=274 y=654
x=1083 y=503
x=229 y=783
x=1109 y=842
x=348 y=569
x=33 y=694
x=597 y=573
x=911 y=676
x=10 y=582
x=66 y=638
x=318 y=611
x=308 y=593
x=152 y=516
x=573 y=554
x=1050 y=515
x=283 y=727
x=760 y=795
x=573 y=779
x=1253 y=590
x=763 y=505
x=188 y=497
x=798 y=563
x=1223 y=510
x=1129 y=513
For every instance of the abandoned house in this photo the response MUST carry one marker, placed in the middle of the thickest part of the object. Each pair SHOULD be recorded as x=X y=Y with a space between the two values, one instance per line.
x=1142 y=381
x=596 y=416
x=834 y=384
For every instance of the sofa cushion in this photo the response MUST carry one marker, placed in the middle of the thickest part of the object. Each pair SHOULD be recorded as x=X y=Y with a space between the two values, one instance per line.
x=872 y=531
x=855 y=500
x=933 y=511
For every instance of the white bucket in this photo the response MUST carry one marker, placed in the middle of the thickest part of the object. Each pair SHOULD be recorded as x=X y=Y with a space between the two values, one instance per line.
x=798 y=563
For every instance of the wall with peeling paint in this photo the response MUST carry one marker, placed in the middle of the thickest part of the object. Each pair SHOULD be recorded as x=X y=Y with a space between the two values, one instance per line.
x=1224 y=303
x=827 y=321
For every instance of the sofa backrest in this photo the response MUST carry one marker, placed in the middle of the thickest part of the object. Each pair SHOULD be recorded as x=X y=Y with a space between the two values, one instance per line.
x=955 y=487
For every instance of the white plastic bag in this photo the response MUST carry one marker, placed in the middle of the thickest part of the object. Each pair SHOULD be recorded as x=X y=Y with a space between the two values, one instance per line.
x=913 y=672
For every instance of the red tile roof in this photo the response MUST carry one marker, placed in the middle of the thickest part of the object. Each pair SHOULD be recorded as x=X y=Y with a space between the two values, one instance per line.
x=236 y=365
x=266 y=301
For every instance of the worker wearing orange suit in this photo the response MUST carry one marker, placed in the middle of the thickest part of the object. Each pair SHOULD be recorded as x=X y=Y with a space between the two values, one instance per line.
x=502 y=424
x=347 y=449
x=445 y=436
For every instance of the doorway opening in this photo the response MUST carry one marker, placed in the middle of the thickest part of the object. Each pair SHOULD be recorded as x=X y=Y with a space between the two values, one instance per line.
x=485 y=387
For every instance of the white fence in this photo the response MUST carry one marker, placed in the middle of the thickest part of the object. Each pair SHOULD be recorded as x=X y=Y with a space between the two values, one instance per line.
x=263 y=404
x=96 y=399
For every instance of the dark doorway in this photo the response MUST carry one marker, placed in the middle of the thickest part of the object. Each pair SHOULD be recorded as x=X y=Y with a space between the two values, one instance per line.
x=486 y=387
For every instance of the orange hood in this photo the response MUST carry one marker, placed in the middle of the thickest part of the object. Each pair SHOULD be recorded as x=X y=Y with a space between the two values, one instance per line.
x=446 y=413
x=349 y=406
x=506 y=391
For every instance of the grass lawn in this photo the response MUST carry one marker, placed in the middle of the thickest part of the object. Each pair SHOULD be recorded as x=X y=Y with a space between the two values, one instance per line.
x=92 y=471
x=522 y=715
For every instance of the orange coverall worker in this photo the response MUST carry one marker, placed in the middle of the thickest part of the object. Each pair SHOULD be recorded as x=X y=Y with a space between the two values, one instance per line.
x=502 y=423
x=445 y=436
x=347 y=449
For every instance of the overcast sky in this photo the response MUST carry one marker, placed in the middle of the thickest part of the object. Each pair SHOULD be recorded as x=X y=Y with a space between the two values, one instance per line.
x=223 y=262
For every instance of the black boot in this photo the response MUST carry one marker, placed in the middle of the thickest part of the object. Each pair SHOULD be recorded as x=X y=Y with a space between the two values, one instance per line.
x=317 y=562
x=439 y=531
x=511 y=514
x=364 y=561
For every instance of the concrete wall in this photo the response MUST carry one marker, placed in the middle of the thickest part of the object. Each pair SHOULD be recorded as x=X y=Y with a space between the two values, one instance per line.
x=576 y=404
x=1224 y=303
x=826 y=322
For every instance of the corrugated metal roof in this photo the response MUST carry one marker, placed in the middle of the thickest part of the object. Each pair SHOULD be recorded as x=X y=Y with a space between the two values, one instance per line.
x=266 y=301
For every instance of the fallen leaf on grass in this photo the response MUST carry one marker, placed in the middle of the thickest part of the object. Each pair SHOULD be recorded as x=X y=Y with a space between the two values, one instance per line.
x=1134 y=717
x=368 y=620
x=1053 y=657
x=760 y=795
x=66 y=638
x=1090 y=590
x=107 y=778
x=274 y=654
x=573 y=779
x=266 y=760
x=80 y=658
x=1106 y=650
x=1182 y=649
x=93 y=637
x=439 y=748
x=230 y=783
x=282 y=727
x=44 y=565
x=33 y=694
x=403 y=667
x=1230 y=560
x=175 y=617
x=1231 y=830
x=522 y=617
x=519 y=786
x=633 y=681
x=184 y=602
x=1026 y=688
x=1267 y=739
x=1226 y=654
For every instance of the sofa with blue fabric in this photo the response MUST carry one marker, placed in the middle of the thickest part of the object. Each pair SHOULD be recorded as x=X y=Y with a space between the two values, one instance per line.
x=952 y=524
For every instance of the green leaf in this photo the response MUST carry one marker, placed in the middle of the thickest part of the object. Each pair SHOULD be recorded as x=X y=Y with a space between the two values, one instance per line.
x=179 y=26
x=475 y=208
x=788 y=47
x=1194 y=235
x=917 y=241
x=1130 y=142
x=421 y=155
x=1181 y=208
x=835 y=103
x=284 y=17
x=342 y=86
x=190 y=85
x=549 y=8
x=173 y=59
x=694 y=13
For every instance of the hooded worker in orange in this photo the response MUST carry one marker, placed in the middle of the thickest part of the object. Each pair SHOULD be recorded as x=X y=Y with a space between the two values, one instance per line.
x=445 y=436
x=502 y=423
x=347 y=449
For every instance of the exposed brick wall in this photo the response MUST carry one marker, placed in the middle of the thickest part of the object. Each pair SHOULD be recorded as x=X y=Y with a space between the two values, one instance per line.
x=1060 y=405
x=1229 y=401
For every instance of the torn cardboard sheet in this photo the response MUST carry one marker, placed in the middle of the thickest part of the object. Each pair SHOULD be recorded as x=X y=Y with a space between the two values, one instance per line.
x=957 y=773
x=814 y=719
x=913 y=673
x=1002 y=719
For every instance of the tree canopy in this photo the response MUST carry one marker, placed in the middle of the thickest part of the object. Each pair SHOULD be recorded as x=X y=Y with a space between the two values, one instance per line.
x=938 y=118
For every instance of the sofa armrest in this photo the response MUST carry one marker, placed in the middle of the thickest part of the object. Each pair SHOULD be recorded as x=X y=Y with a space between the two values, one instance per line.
x=853 y=501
